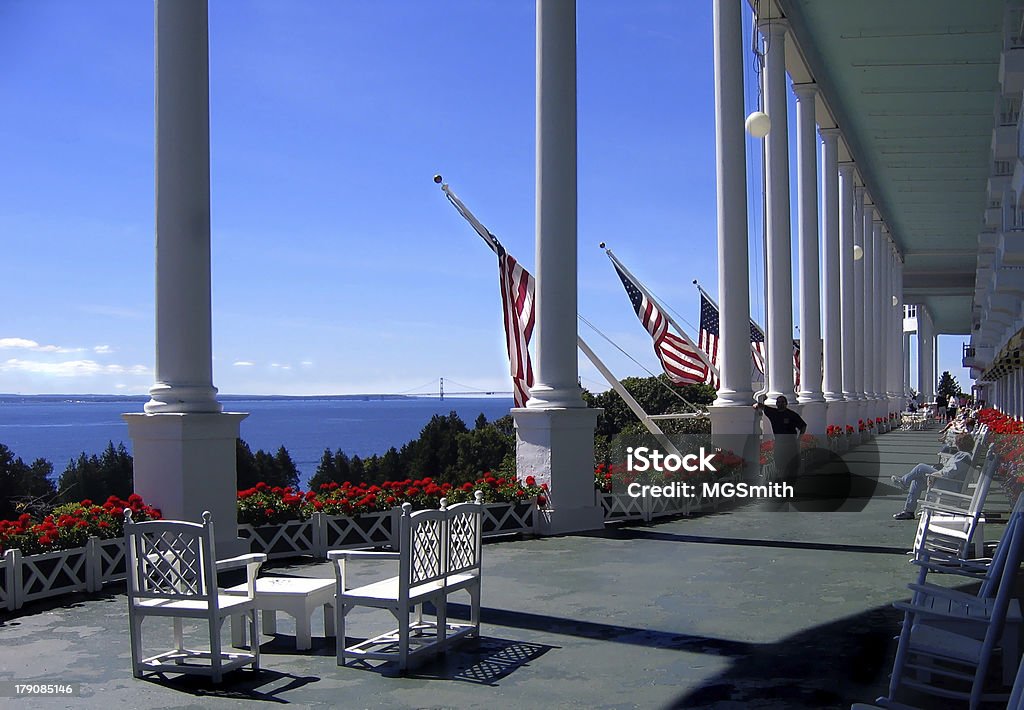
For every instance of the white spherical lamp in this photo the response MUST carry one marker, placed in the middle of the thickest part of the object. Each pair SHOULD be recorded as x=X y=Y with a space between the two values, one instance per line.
x=758 y=124
x=895 y=301
x=858 y=252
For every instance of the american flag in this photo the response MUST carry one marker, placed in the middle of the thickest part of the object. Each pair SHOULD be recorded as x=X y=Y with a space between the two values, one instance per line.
x=517 y=290
x=517 y=298
x=679 y=357
x=796 y=364
x=757 y=347
x=708 y=339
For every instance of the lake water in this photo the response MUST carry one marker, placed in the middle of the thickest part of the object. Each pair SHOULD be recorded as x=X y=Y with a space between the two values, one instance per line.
x=59 y=429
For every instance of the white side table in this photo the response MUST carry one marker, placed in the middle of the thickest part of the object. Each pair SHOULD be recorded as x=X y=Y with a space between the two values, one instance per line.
x=295 y=596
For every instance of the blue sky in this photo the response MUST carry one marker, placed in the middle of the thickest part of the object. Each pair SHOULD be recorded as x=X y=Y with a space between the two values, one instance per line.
x=338 y=266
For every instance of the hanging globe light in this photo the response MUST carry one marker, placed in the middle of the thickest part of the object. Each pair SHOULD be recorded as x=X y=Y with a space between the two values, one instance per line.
x=758 y=124
x=858 y=252
x=895 y=301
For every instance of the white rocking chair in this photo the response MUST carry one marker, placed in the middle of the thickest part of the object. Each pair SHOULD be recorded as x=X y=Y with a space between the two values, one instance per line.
x=951 y=637
x=172 y=573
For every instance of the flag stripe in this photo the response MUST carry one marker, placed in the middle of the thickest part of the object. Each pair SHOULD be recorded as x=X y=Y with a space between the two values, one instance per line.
x=517 y=302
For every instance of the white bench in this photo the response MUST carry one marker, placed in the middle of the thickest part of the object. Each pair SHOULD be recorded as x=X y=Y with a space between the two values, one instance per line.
x=438 y=554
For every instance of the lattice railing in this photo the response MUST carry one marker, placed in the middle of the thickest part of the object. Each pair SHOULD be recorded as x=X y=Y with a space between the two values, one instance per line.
x=339 y=532
x=294 y=538
x=53 y=573
x=8 y=589
x=621 y=506
x=662 y=507
x=109 y=561
x=509 y=518
x=25 y=578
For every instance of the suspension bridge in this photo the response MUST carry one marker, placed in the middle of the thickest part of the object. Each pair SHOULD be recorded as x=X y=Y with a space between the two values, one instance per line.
x=436 y=388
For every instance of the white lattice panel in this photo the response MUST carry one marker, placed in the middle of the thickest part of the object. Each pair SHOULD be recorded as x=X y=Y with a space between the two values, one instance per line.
x=426 y=551
x=8 y=598
x=620 y=506
x=291 y=539
x=110 y=558
x=661 y=507
x=340 y=532
x=53 y=573
x=508 y=518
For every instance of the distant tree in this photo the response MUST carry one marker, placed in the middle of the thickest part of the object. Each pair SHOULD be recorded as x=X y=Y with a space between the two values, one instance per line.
x=479 y=451
x=437 y=449
x=481 y=421
x=22 y=484
x=948 y=385
x=357 y=470
x=273 y=469
x=97 y=477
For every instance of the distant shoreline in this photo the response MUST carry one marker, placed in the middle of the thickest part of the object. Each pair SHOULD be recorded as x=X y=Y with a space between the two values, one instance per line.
x=20 y=398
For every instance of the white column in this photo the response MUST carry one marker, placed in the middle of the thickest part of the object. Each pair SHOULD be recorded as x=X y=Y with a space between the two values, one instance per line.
x=925 y=354
x=893 y=363
x=858 y=303
x=906 y=364
x=877 y=291
x=733 y=421
x=184 y=358
x=779 y=270
x=868 y=312
x=184 y=447
x=555 y=431
x=831 y=282
x=810 y=396
x=556 y=373
x=848 y=219
x=905 y=390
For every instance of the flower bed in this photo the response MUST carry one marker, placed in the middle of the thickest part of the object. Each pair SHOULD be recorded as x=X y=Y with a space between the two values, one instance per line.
x=1006 y=434
x=70 y=526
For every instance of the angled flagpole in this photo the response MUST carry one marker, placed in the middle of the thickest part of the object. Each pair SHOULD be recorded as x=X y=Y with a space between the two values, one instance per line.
x=489 y=239
x=682 y=333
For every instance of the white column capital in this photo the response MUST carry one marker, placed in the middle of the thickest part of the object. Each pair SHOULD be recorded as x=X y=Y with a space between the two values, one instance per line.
x=806 y=90
x=777 y=27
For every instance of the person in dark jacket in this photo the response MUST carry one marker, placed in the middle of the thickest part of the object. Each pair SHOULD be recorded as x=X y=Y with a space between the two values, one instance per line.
x=787 y=426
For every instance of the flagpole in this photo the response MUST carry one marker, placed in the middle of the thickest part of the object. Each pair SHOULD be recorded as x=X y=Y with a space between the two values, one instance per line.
x=633 y=405
x=485 y=234
x=703 y=356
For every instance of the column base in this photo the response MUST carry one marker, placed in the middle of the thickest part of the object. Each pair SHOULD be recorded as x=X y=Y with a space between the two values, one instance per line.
x=738 y=429
x=178 y=399
x=813 y=412
x=835 y=412
x=556 y=447
x=185 y=465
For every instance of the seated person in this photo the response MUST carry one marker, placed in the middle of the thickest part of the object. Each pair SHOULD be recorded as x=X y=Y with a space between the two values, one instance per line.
x=952 y=430
x=955 y=469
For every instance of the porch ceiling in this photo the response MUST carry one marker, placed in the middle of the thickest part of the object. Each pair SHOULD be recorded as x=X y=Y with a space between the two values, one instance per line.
x=914 y=85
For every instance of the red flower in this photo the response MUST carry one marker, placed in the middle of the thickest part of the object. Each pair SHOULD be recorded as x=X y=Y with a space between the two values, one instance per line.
x=531 y=481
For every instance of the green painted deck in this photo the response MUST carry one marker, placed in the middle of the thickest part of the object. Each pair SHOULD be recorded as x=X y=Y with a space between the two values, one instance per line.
x=739 y=609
